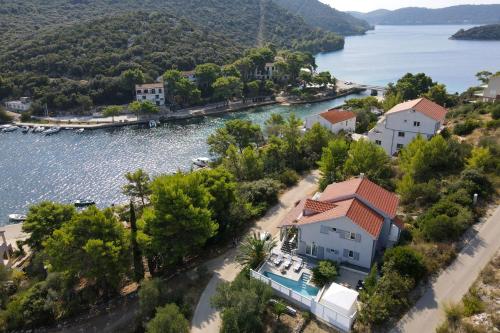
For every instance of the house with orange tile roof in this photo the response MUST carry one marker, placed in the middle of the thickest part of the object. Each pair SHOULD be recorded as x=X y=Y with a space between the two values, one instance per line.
x=349 y=222
x=401 y=124
x=335 y=120
x=152 y=92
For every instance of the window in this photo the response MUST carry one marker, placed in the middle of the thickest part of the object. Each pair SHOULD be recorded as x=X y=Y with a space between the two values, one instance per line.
x=145 y=91
x=352 y=235
x=153 y=91
x=378 y=142
x=399 y=146
x=139 y=91
x=346 y=122
x=159 y=90
x=416 y=123
x=401 y=134
x=334 y=229
x=143 y=97
x=157 y=96
x=312 y=250
x=351 y=254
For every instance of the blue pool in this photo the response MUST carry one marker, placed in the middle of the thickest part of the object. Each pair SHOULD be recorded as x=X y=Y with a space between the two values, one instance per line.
x=299 y=286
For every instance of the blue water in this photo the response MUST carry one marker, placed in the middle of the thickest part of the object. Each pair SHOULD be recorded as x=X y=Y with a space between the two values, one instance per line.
x=299 y=286
x=68 y=166
x=388 y=52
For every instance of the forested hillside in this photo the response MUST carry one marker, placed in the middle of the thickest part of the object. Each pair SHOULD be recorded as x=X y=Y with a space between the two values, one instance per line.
x=68 y=53
x=320 y=15
x=484 y=32
x=463 y=14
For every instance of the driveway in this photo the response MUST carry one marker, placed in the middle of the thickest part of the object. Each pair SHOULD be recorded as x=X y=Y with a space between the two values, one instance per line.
x=455 y=281
x=206 y=319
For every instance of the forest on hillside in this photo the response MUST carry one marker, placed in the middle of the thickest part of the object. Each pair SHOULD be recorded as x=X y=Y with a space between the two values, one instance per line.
x=79 y=52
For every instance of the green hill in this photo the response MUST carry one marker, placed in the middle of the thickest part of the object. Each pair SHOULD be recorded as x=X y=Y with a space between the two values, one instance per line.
x=325 y=17
x=462 y=14
x=63 y=51
x=484 y=32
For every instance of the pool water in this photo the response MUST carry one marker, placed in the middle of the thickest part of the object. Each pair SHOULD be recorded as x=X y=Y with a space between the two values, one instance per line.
x=299 y=286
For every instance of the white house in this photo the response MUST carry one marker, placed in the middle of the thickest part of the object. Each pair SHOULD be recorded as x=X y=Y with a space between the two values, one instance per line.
x=153 y=92
x=335 y=120
x=349 y=222
x=22 y=105
x=491 y=91
x=405 y=121
x=268 y=73
x=190 y=75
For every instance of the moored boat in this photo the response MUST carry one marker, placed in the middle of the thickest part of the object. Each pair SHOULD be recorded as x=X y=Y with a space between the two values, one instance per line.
x=39 y=129
x=80 y=203
x=80 y=130
x=16 y=218
x=202 y=162
x=10 y=129
x=52 y=130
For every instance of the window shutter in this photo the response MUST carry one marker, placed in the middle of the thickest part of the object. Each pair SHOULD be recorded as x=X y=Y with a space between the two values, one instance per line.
x=358 y=238
x=342 y=234
x=346 y=253
x=356 y=255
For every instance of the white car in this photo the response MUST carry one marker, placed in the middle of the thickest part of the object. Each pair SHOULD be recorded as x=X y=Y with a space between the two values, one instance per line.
x=265 y=235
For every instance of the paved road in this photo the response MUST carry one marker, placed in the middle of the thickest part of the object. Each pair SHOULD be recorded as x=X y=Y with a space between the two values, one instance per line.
x=206 y=319
x=456 y=280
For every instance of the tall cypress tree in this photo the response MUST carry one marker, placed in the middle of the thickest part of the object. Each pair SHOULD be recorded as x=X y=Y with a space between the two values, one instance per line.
x=136 y=252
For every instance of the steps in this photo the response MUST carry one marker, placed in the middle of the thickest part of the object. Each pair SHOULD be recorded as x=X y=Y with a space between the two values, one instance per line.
x=304 y=279
x=287 y=248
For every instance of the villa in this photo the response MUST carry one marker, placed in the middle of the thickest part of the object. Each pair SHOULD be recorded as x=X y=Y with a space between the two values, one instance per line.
x=491 y=91
x=335 y=120
x=152 y=92
x=401 y=124
x=21 y=105
x=351 y=223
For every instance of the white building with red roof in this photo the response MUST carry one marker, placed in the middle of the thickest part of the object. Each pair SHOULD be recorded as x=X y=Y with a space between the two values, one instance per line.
x=335 y=120
x=349 y=222
x=405 y=121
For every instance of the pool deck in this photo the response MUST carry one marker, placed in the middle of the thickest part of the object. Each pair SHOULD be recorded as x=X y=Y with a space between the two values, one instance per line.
x=290 y=273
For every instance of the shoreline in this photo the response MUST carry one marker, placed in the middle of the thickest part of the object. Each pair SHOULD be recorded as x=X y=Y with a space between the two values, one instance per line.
x=13 y=233
x=181 y=114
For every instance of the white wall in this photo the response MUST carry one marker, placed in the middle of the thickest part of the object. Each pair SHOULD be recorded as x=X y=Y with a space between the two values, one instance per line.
x=156 y=98
x=493 y=89
x=388 y=131
x=347 y=125
x=310 y=233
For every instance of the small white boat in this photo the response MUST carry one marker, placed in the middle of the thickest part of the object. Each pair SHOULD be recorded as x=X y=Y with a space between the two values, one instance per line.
x=52 y=130
x=25 y=129
x=10 y=129
x=202 y=162
x=5 y=126
x=39 y=129
x=17 y=218
x=80 y=130
x=152 y=124
x=80 y=203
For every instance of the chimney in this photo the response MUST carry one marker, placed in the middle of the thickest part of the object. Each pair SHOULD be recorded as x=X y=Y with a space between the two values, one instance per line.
x=362 y=175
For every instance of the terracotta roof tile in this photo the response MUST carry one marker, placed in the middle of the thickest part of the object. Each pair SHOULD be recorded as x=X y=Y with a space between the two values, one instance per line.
x=422 y=105
x=380 y=198
x=318 y=206
x=337 y=115
x=365 y=217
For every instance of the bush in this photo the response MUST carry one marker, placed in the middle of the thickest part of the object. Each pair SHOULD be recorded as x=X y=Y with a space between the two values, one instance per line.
x=168 y=319
x=288 y=177
x=325 y=272
x=406 y=261
x=495 y=111
x=493 y=124
x=472 y=303
x=435 y=256
x=264 y=191
x=151 y=295
x=467 y=127
x=440 y=228
x=25 y=117
x=4 y=117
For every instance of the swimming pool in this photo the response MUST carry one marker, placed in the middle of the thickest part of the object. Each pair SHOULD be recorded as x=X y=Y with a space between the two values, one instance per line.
x=299 y=286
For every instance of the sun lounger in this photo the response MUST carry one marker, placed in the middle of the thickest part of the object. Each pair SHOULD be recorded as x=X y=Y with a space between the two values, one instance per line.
x=298 y=265
x=279 y=258
x=288 y=261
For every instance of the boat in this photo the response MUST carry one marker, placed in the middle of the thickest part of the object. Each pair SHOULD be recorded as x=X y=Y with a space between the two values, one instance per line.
x=17 y=218
x=25 y=129
x=80 y=130
x=152 y=124
x=52 y=130
x=83 y=203
x=202 y=162
x=10 y=129
x=5 y=126
x=39 y=129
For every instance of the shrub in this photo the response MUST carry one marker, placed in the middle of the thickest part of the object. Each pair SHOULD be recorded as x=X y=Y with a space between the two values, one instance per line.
x=325 y=272
x=406 y=261
x=168 y=319
x=467 y=127
x=25 y=117
x=288 y=177
x=472 y=303
x=4 y=116
x=151 y=295
x=495 y=111
x=493 y=124
x=474 y=181
x=454 y=314
x=435 y=256
x=264 y=191
x=440 y=228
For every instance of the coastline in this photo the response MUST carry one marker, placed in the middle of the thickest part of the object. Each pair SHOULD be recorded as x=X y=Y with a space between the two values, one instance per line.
x=13 y=233
x=179 y=115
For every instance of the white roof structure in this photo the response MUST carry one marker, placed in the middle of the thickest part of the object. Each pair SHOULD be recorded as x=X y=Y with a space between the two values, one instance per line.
x=341 y=299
